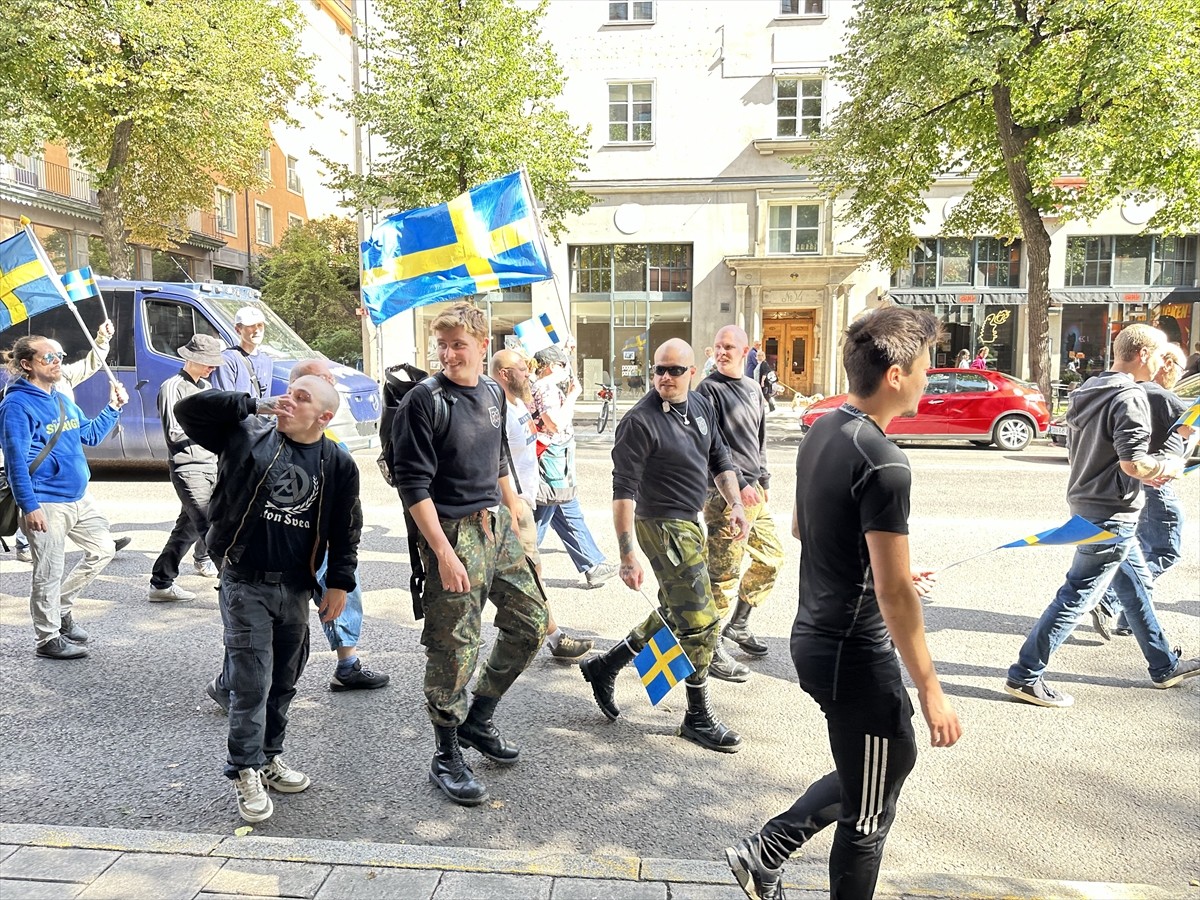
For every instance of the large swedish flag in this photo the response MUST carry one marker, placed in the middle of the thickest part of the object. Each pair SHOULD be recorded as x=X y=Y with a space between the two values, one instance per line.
x=483 y=240
x=28 y=283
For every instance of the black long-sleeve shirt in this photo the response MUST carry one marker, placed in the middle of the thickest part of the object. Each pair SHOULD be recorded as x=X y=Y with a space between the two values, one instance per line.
x=663 y=464
x=460 y=470
x=742 y=417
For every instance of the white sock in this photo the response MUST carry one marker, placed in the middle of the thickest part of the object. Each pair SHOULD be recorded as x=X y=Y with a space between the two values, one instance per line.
x=553 y=638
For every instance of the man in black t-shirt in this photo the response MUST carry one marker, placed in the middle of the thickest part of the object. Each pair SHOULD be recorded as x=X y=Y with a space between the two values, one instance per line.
x=666 y=449
x=858 y=595
x=456 y=486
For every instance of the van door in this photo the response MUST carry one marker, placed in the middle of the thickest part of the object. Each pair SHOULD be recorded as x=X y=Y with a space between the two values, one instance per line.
x=167 y=323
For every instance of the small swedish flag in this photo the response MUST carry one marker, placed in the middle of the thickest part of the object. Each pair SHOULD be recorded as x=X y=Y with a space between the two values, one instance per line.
x=662 y=664
x=80 y=284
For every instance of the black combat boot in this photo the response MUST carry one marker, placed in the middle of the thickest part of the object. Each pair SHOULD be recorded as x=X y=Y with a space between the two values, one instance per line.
x=479 y=733
x=450 y=773
x=601 y=673
x=725 y=667
x=737 y=631
x=701 y=726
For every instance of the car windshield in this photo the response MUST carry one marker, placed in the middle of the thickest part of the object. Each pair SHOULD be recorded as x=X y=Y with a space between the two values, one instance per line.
x=1189 y=388
x=279 y=341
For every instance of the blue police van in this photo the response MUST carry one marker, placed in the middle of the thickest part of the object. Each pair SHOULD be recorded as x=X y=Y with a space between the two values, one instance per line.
x=152 y=319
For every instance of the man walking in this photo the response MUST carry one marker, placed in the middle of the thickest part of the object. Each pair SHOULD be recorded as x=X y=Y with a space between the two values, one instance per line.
x=285 y=497
x=741 y=416
x=1110 y=428
x=859 y=604
x=43 y=434
x=510 y=370
x=449 y=430
x=666 y=449
x=192 y=469
x=246 y=368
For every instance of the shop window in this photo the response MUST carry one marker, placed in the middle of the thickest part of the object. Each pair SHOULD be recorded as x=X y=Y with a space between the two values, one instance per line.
x=631 y=112
x=798 y=107
x=57 y=243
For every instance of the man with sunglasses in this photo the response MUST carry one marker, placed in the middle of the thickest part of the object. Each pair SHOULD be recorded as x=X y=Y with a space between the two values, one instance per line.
x=666 y=448
x=54 y=501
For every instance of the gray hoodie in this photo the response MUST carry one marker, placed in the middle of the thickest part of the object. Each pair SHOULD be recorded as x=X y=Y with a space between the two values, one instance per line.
x=1108 y=421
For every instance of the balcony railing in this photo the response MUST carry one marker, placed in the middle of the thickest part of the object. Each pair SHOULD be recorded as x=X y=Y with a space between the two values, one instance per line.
x=36 y=173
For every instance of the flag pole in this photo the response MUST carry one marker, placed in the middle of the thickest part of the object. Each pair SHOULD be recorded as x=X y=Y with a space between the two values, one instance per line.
x=658 y=613
x=537 y=218
x=968 y=559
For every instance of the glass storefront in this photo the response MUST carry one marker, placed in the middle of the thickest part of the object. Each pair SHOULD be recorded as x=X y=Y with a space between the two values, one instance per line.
x=1088 y=330
x=969 y=327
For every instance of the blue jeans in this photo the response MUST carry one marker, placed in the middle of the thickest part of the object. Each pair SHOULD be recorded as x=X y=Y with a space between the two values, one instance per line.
x=345 y=630
x=1093 y=569
x=1159 y=534
x=567 y=519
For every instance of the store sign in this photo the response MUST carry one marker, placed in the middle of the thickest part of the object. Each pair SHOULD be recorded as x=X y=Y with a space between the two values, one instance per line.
x=631 y=371
x=968 y=298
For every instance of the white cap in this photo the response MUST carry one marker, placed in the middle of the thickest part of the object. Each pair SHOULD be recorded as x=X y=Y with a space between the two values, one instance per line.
x=249 y=315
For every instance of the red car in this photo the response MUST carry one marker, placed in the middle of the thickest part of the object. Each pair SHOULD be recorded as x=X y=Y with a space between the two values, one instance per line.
x=965 y=404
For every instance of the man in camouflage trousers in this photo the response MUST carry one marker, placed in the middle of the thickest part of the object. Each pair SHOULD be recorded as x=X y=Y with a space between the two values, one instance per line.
x=742 y=416
x=666 y=448
x=455 y=483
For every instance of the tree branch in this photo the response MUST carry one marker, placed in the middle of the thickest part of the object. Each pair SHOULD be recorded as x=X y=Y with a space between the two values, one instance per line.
x=978 y=89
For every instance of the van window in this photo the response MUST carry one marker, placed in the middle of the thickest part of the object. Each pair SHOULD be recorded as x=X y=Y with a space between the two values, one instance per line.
x=62 y=326
x=171 y=325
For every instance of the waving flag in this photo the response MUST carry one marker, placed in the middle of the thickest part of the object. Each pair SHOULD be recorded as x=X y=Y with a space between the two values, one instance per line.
x=662 y=664
x=483 y=240
x=80 y=285
x=1190 y=417
x=28 y=283
x=536 y=334
x=1076 y=530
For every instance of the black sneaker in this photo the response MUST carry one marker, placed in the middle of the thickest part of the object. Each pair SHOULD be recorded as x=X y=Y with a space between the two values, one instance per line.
x=219 y=695
x=61 y=648
x=1185 y=668
x=1039 y=693
x=756 y=879
x=122 y=542
x=359 y=678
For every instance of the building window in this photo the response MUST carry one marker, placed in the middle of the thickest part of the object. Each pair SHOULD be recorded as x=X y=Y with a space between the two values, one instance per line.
x=794 y=229
x=997 y=264
x=1089 y=261
x=1174 y=261
x=798 y=107
x=294 y=221
x=631 y=112
x=591 y=270
x=961 y=262
x=631 y=11
x=802 y=7
x=1131 y=259
x=293 y=177
x=226 y=211
x=631 y=268
x=956 y=261
x=263 y=227
x=264 y=164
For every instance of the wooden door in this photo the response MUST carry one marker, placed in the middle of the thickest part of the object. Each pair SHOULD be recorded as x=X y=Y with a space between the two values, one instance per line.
x=788 y=343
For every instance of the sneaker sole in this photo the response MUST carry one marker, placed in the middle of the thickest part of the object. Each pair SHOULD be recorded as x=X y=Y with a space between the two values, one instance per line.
x=571 y=659
x=217 y=698
x=484 y=798
x=288 y=788
x=172 y=599
x=248 y=816
x=83 y=655
x=1178 y=679
x=339 y=687
x=1034 y=701
x=744 y=879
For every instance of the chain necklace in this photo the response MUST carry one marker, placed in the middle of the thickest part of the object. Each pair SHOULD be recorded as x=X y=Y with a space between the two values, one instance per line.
x=668 y=406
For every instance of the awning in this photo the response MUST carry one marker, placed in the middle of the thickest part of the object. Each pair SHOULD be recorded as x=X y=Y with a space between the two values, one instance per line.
x=1151 y=296
x=957 y=296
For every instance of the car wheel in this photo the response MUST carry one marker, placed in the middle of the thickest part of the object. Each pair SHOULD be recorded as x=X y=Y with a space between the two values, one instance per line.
x=982 y=443
x=1012 y=433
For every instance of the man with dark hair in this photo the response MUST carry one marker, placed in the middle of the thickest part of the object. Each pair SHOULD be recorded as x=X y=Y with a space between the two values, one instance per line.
x=666 y=449
x=859 y=604
x=741 y=415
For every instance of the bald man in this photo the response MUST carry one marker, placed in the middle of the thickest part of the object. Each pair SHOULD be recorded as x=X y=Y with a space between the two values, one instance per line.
x=286 y=497
x=666 y=449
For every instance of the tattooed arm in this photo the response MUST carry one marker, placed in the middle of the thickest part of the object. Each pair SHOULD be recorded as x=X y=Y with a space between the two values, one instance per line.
x=631 y=569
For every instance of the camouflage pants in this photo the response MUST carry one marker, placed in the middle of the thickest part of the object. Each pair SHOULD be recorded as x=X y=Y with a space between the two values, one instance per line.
x=497 y=570
x=675 y=549
x=725 y=554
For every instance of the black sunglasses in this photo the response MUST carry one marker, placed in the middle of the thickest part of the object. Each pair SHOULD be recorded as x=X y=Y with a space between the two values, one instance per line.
x=673 y=371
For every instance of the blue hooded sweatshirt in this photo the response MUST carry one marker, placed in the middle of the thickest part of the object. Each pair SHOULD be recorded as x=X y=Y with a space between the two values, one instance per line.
x=28 y=417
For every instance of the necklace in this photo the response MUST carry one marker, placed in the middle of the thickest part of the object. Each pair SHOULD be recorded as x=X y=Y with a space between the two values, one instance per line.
x=668 y=406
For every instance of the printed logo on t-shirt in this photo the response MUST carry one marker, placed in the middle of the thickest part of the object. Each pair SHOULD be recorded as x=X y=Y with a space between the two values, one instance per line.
x=292 y=496
x=495 y=416
x=701 y=424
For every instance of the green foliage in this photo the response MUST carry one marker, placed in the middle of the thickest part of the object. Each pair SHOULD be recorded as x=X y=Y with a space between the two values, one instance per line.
x=460 y=92
x=160 y=99
x=311 y=280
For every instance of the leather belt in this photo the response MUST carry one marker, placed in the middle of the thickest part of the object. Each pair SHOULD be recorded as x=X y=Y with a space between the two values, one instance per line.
x=259 y=577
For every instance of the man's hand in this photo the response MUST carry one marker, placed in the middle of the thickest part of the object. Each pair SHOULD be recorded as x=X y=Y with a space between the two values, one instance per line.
x=631 y=572
x=738 y=522
x=280 y=407
x=515 y=512
x=924 y=581
x=944 y=727
x=34 y=521
x=332 y=604
x=117 y=395
x=453 y=573
x=105 y=332
x=750 y=496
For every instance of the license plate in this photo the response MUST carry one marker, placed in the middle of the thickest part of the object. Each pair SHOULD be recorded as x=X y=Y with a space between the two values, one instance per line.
x=1058 y=430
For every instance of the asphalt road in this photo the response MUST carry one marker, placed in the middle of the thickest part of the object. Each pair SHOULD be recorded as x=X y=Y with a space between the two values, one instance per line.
x=1104 y=791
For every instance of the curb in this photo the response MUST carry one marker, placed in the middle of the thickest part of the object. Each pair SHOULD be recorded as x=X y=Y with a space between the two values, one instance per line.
x=801 y=876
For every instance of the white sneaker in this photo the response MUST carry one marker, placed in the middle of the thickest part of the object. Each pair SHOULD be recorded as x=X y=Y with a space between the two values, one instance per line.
x=206 y=569
x=254 y=803
x=174 y=593
x=277 y=775
x=23 y=555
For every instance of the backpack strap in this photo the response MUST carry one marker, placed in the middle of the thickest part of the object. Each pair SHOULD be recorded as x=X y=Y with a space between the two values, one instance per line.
x=498 y=395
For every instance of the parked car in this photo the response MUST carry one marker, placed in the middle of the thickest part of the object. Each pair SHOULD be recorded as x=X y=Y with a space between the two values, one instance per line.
x=152 y=319
x=982 y=407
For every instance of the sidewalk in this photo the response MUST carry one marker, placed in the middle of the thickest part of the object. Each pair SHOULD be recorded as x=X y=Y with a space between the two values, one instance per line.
x=40 y=861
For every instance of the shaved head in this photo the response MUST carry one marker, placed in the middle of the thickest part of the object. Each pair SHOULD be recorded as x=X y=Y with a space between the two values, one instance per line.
x=324 y=394
x=677 y=354
x=730 y=347
x=506 y=359
x=675 y=351
x=511 y=371
x=318 y=367
x=734 y=335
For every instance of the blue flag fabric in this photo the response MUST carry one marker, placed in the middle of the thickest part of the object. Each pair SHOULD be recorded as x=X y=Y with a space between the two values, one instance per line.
x=80 y=284
x=536 y=334
x=483 y=240
x=1190 y=417
x=28 y=283
x=1076 y=530
x=662 y=664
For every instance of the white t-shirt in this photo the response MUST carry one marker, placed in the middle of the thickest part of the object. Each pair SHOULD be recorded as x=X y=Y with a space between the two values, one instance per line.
x=522 y=443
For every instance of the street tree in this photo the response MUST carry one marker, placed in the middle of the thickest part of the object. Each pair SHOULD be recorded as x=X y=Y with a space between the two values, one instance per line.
x=311 y=280
x=459 y=92
x=159 y=100
x=1017 y=94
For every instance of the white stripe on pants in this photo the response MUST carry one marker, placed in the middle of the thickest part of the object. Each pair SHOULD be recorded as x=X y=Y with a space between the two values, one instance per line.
x=50 y=595
x=875 y=753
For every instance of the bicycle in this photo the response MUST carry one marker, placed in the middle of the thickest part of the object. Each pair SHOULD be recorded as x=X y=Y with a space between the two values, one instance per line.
x=606 y=395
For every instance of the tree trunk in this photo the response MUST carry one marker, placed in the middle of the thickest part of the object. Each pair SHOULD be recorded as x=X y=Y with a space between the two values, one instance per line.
x=1037 y=240
x=112 y=216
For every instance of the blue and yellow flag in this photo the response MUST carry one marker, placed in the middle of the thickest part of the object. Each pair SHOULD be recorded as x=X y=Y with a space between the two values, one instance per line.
x=1076 y=530
x=483 y=240
x=28 y=283
x=80 y=284
x=536 y=334
x=662 y=664
x=1190 y=417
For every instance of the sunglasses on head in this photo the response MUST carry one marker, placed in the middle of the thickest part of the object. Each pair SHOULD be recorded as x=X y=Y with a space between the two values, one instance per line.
x=50 y=358
x=673 y=371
